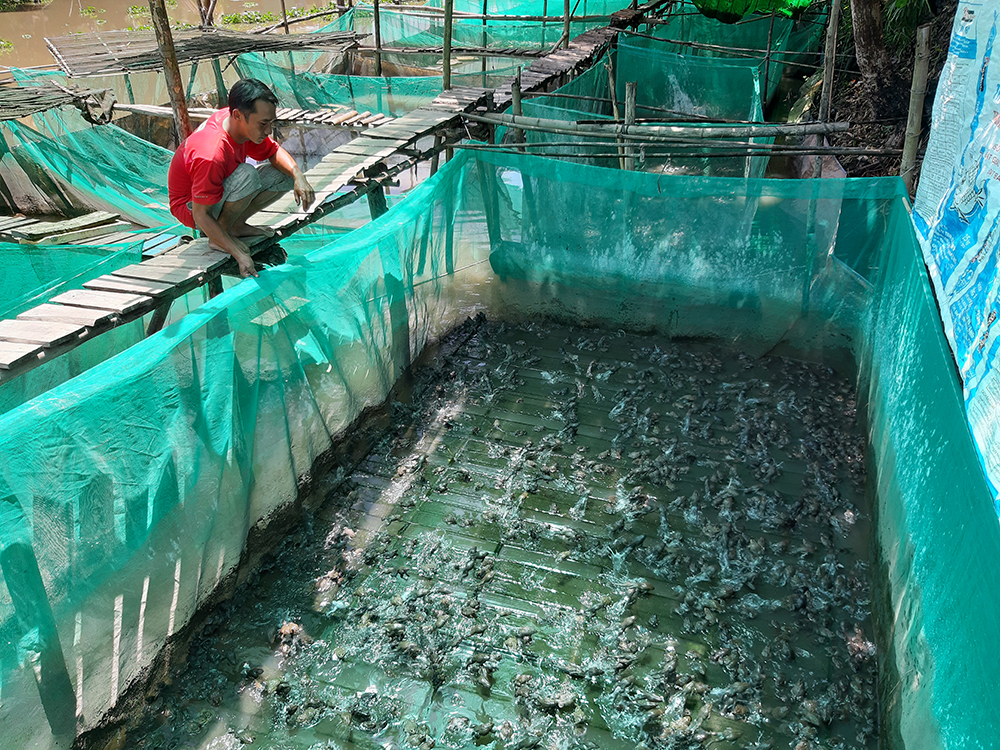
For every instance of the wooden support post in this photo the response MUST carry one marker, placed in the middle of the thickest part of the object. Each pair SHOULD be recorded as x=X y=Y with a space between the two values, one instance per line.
x=485 y=13
x=567 y=14
x=829 y=59
x=914 y=119
x=449 y=10
x=284 y=16
x=436 y=156
x=515 y=105
x=767 y=62
x=214 y=287
x=175 y=87
x=34 y=613
x=615 y=110
x=545 y=24
x=378 y=38
x=159 y=317
x=376 y=202
x=630 y=90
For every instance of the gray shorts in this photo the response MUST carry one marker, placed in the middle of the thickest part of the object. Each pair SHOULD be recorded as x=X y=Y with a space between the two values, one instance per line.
x=247 y=181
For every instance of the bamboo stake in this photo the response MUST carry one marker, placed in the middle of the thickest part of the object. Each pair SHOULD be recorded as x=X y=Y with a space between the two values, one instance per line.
x=485 y=11
x=767 y=58
x=918 y=89
x=630 y=90
x=175 y=86
x=449 y=9
x=284 y=16
x=515 y=105
x=378 y=40
x=829 y=58
x=566 y=16
x=614 y=109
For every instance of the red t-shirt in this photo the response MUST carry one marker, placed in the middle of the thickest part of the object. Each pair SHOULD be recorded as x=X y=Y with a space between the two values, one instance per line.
x=206 y=158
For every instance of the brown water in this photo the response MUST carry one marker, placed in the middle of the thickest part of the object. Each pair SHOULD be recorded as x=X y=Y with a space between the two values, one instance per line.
x=26 y=29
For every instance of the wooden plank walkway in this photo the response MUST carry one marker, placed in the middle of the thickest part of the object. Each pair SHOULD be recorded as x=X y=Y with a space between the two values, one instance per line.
x=355 y=169
x=336 y=117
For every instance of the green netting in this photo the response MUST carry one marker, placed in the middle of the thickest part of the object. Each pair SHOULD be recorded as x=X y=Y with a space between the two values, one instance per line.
x=401 y=29
x=593 y=103
x=392 y=96
x=129 y=492
x=719 y=88
x=33 y=275
x=97 y=166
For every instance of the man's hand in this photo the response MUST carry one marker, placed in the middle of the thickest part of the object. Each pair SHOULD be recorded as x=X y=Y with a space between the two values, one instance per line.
x=245 y=262
x=304 y=193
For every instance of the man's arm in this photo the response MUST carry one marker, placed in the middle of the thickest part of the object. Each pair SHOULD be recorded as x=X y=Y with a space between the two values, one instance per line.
x=283 y=162
x=219 y=238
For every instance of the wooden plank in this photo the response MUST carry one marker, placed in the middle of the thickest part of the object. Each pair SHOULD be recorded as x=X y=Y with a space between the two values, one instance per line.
x=61 y=313
x=188 y=262
x=14 y=354
x=47 y=333
x=91 y=233
x=156 y=273
x=121 y=303
x=45 y=228
x=11 y=222
x=130 y=286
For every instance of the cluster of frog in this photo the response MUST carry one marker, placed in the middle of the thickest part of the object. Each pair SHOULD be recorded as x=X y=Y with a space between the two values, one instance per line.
x=575 y=539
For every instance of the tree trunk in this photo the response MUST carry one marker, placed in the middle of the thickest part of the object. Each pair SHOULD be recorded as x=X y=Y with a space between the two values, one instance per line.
x=879 y=78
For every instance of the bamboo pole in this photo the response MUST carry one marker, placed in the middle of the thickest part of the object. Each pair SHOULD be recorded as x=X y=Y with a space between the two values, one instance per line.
x=449 y=9
x=515 y=105
x=284 y=16
x=725 y=149
x=485 y=11
x=567 y=13
x=378 y=40
x=829 y=58
x=918 y=89
x=175 y=86
x=767 y=59
x=630 y=90
x=660 y=132
x=614 y=109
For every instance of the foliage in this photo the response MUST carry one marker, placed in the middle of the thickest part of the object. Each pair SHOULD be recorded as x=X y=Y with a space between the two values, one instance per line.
x=900 y=20
x=256 y=17
x=6 y=46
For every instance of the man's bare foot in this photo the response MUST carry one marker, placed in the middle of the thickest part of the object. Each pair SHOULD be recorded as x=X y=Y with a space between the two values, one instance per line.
x=248 y=230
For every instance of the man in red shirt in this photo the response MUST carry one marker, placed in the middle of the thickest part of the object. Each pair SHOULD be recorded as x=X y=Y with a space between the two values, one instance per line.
x=213 y=188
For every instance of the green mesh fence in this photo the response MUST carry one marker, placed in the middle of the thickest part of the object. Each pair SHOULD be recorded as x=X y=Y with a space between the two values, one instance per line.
x=664 y=83
x=33 y=275
x=129 y=491
x=389 y=95
x=96 y=166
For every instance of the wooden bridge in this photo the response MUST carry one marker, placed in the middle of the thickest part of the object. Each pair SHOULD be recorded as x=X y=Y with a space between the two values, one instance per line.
x=356 y=169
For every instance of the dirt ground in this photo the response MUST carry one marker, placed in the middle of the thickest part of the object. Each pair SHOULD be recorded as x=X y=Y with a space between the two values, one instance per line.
x=886 y=129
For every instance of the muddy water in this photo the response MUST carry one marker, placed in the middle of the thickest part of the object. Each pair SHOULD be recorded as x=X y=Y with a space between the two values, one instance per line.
x=568 y=538
x=26 y=29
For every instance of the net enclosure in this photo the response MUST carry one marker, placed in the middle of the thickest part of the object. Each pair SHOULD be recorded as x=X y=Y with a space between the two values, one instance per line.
x=183 y=444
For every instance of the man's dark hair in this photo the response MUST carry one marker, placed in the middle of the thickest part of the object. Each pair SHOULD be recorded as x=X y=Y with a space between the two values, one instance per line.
x=245 y=93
